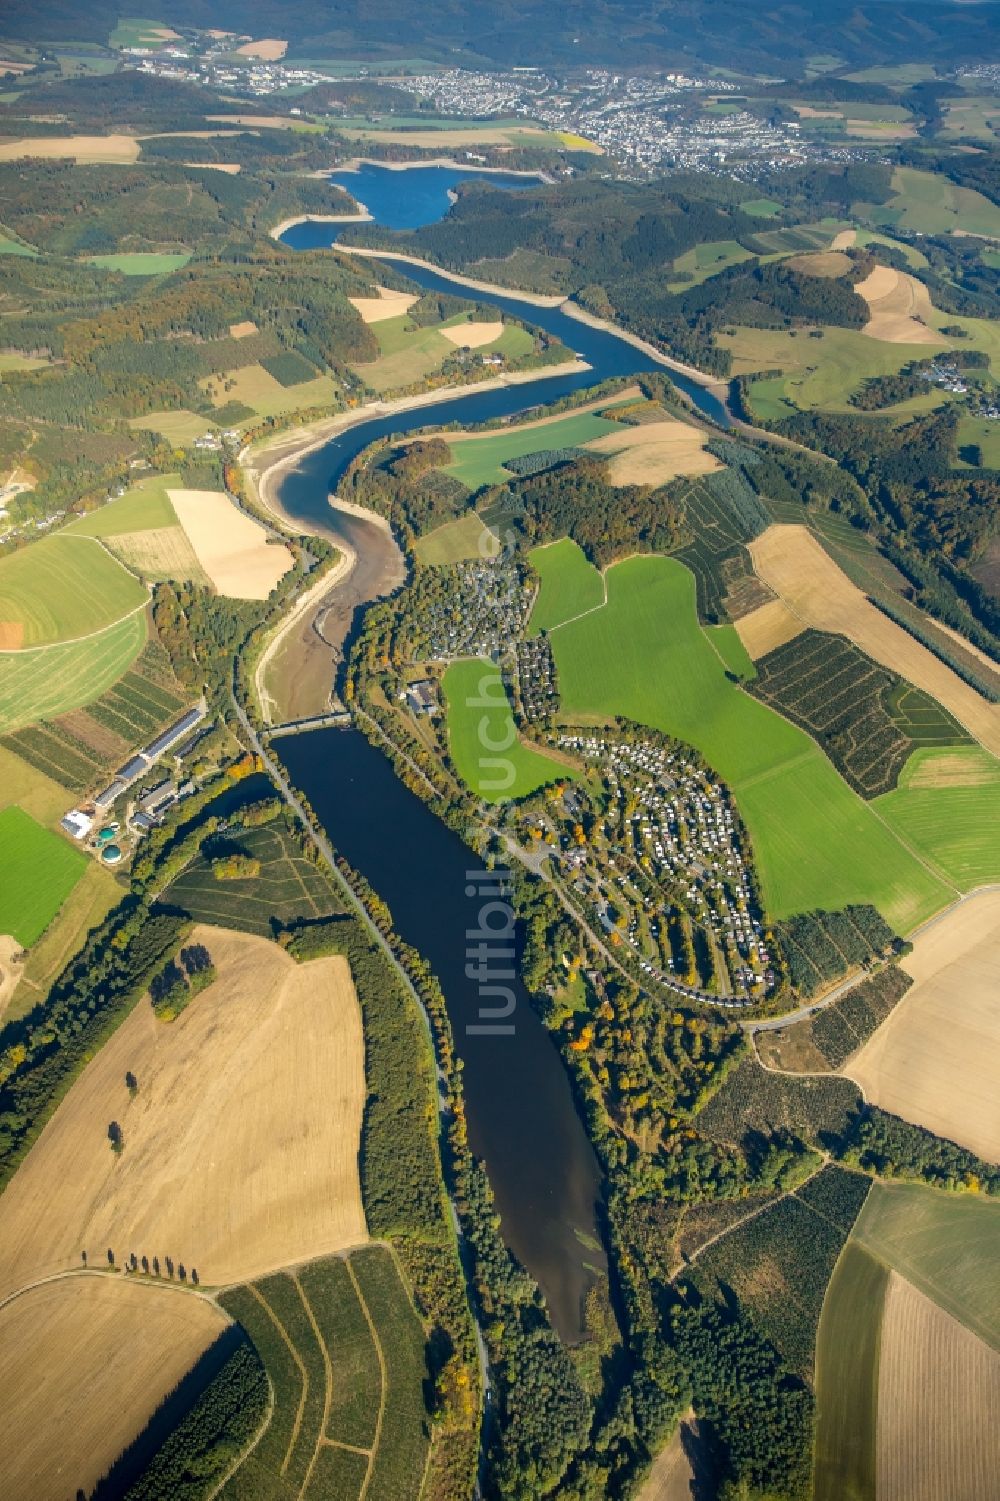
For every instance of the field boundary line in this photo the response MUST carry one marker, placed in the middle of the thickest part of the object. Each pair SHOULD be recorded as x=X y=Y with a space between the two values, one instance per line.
x=382 y=1372
x=328 y=1371
x=252 y=1289
x=338 y=1443
x=24 y=651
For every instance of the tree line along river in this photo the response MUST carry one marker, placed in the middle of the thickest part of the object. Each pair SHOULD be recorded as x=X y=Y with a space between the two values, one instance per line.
x=521 y=1114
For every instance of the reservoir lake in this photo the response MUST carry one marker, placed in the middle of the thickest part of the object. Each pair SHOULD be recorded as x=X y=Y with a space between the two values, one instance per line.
x=522 y=1118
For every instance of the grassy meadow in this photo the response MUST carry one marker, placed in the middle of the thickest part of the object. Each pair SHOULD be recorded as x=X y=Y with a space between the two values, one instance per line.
x=947 y=806
x=141 y=262
x=40 y=870
x=180 y=426
x=477 y=460
x=701 y=262
x=52 y=680
x=466 y=537
x=816 y=843
x=143 y=507
x=64 y=587
x=927 y=203
x=820 y=372
x=568 y=585
x=945 y=1243
x=483 y=740
x=847 y=1359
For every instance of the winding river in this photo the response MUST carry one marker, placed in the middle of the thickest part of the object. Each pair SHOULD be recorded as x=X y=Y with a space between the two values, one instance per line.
x=521 y=1115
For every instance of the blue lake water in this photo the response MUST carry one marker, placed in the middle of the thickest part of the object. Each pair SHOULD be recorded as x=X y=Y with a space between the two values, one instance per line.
x=413 y=196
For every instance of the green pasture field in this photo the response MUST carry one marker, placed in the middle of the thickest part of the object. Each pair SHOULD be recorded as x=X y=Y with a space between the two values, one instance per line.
x=735 y=657
x=22 y=786
x=990 y=258
x=144 y=507
x=979 y=333
x=331 y=1365
x=63 y=587
x=180 y=427
x=15 y=247
x=974 y=118
x=945 y=1243
x=847 y=1363
x=477 y=460
x=14 y=361
x=256 y=388
x=479 y=762
x=815 y=842
x=515 y=343
x=408 y=353
x=982 y=433
x=568 y=585
x=816 y=373
x=707 y=260
x=929 y=204
x=763 y=208
x=287 y=887
x=141 y=262
x=53 y=680
x=953 y=824
x=466 y=537
x=40 y=870
x=896 y=76
x=135 y=31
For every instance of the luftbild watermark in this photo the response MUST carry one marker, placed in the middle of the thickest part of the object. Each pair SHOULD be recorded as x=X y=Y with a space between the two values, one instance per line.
x=490 y=948
x=491 y=953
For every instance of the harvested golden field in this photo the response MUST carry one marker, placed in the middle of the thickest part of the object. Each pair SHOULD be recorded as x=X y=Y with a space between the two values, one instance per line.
x=240 y=1142
x=933 y=1061
x=87 y=150
x=844 y=239
x=231 y=548
x=164 y=552
x=268 y=49
x=792 y=562
x=242 y=330
x=654 y=452
x=938 y=1433
x=825 y=263
x=766 y=628
x=232 y=168
x=386 y=304
x=11 y=968
x=899 y=307
x=473 y=335
x=84 y=1363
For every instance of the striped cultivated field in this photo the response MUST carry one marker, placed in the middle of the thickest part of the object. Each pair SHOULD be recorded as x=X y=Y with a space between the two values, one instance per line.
x=345 y=1352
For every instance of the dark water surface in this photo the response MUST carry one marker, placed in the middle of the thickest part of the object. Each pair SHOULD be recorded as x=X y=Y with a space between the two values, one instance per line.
x=521 y=1115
